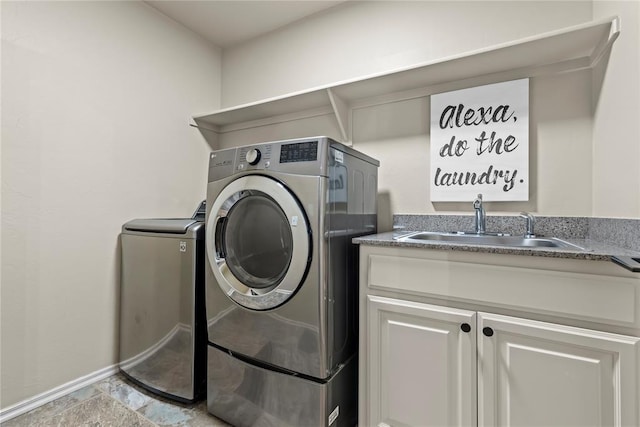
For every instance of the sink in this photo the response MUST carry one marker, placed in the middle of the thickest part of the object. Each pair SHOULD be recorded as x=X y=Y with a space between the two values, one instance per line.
x=490 y=240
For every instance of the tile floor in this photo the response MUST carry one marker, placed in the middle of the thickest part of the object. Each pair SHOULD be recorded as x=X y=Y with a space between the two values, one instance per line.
x=115 y=401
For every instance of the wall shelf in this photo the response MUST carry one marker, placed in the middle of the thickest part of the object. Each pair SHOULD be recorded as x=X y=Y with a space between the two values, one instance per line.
x=569 y=49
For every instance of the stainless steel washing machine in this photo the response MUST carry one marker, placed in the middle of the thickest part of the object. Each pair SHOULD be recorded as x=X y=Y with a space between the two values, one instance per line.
x=282 y=280
x=163 y=343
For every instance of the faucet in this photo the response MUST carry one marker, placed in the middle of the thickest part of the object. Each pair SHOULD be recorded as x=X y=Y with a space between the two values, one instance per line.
x=480 y=215
x=531 y=222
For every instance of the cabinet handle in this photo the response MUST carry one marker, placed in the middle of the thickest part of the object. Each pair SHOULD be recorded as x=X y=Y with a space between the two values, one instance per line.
x=465 y=327
x=487 y=331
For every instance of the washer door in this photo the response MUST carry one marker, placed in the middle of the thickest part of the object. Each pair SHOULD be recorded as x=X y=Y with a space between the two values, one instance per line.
x=258 y=242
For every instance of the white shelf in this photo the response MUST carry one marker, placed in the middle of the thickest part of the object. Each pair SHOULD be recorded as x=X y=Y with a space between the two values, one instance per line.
x=569 y=49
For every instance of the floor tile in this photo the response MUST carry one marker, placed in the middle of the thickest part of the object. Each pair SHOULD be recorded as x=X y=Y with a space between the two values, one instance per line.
x=200 y=417
x=102 y=410
x=118 y=388
x=116 y=402
x=53 y=408
x=166 y=414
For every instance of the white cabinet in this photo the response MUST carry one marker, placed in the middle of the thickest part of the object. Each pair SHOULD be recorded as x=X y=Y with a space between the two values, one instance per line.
x=433 y=352
x=422 y=365
x=543 y=374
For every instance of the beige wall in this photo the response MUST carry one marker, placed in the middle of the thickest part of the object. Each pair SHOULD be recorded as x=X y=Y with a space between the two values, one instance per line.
x=574 y=169
x=559 y=151
x=96 y=102
x=616 y=130
x=367 y=37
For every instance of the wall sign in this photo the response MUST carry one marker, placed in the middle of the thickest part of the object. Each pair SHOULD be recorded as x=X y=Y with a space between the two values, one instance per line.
x=480 y=143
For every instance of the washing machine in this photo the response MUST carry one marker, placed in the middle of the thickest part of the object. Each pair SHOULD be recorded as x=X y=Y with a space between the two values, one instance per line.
x=282 y=280
x=163 y=336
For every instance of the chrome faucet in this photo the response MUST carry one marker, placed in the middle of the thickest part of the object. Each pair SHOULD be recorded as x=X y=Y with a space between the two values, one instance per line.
x=531 y=222
x=480 y=215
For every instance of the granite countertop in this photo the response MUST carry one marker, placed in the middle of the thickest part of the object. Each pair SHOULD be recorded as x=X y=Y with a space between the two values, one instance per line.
x=593 y=250
x=595 y=236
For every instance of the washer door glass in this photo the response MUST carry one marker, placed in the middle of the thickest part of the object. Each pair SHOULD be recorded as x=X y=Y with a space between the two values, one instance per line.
x=257 y=241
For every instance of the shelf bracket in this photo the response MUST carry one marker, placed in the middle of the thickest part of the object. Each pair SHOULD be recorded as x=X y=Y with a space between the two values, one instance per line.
x=605 y=45
x=341 y=111
x=209 y=135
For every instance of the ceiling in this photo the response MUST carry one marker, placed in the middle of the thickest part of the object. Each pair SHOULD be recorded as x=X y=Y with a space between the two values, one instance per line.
x=229 y=22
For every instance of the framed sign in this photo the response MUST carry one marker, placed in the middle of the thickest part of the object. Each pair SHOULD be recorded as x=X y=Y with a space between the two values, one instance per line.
x=480 y=143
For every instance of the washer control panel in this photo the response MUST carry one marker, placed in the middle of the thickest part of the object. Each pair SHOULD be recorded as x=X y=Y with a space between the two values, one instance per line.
x=302 y=156
x=293 y=156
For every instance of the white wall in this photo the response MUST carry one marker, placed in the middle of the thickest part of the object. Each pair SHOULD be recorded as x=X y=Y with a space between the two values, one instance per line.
x=616 y=131
x=96 y=102
x=362 y=38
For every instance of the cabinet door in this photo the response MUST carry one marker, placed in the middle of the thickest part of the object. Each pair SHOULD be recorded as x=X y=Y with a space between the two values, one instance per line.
x=421 y=365
x=540 y=374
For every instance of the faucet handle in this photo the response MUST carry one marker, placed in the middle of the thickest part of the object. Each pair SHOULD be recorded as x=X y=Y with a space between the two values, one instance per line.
x=477 y=203
x=531 y=222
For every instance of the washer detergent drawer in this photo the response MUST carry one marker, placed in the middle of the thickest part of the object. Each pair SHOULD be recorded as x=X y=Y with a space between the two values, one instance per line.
x=162 y=320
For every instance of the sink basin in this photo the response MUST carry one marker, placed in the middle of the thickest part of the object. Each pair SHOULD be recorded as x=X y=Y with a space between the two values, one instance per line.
x=490 y=240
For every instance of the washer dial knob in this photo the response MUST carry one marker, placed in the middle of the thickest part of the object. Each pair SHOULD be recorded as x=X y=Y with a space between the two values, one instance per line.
x=253 y=156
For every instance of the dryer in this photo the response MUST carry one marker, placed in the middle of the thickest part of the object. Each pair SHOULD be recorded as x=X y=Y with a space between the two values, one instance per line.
x=282 y=280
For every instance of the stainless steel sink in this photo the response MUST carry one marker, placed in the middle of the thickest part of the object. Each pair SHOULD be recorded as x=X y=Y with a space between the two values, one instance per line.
x=490 y=240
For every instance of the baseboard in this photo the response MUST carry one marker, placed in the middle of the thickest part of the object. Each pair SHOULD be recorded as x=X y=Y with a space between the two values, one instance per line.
x=43 y=398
